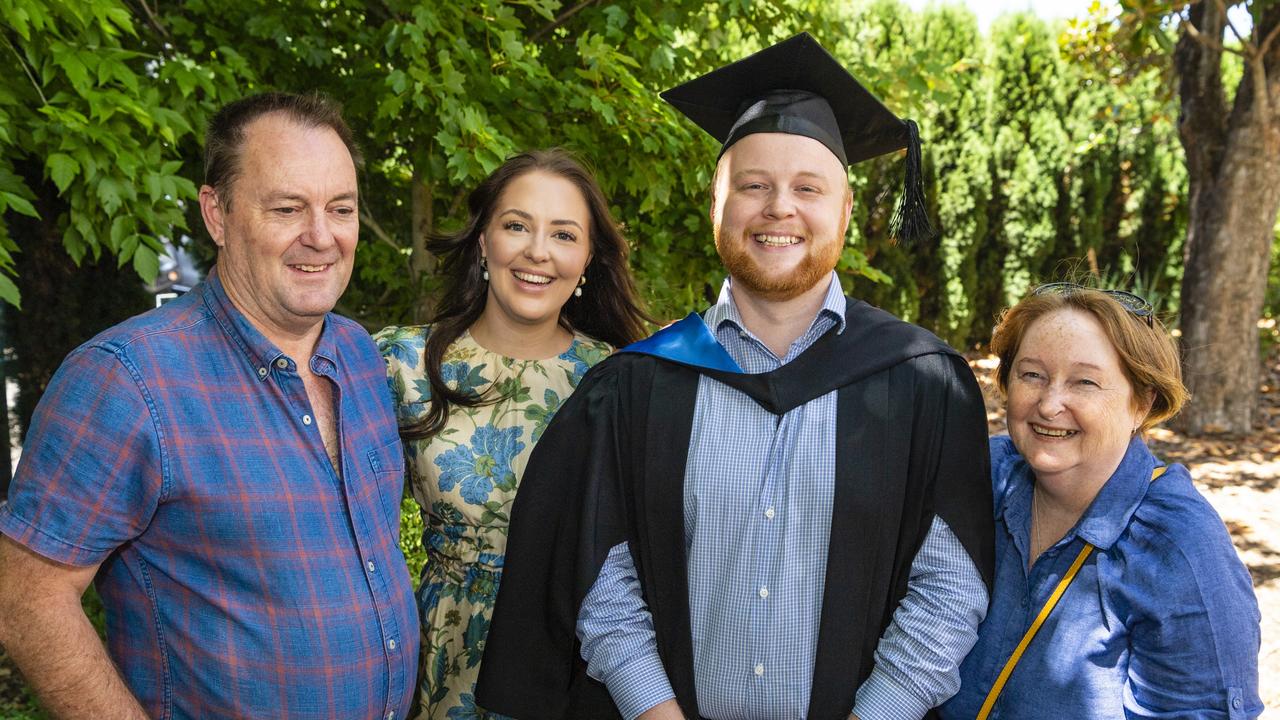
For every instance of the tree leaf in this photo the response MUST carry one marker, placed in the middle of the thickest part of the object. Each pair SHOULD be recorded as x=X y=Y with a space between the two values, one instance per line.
x=122 y=227
x=9 y=292
x=146 y=263
x=19 y=204
x=109 y=194
x=75 y=69
x=62 y=170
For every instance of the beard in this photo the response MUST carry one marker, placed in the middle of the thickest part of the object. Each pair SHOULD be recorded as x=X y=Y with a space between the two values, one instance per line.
x=819 y=260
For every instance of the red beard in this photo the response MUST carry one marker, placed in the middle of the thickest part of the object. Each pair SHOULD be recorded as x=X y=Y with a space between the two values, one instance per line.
x=819 y=260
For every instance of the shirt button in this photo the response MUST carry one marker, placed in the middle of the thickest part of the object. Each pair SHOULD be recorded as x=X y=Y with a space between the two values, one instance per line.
x=764 y=592
x=759 y=670
x=262 y=372
x=282 y=363
x=391 y=644
x=1236 y=703
x=371 y=566
x=306 y=419
x=769 y=513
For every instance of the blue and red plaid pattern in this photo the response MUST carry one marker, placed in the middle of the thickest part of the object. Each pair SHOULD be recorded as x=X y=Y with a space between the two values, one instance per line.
x=242 y=577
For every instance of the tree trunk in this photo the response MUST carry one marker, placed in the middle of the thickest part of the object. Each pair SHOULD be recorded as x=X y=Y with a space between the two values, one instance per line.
x=1233 y=165
x=63 y=304
x=421 y=261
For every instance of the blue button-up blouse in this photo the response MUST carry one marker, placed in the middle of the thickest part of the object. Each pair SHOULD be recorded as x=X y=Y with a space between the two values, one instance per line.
x=1161 y=620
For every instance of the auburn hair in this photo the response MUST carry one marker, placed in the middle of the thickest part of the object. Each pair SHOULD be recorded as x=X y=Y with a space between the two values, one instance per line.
x=1148 y=356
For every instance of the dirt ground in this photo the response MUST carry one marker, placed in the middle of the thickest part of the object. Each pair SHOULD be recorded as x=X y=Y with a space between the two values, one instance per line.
x=1240 y=476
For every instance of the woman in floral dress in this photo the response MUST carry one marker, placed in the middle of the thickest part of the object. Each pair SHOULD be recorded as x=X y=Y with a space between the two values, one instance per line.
x=538 y=292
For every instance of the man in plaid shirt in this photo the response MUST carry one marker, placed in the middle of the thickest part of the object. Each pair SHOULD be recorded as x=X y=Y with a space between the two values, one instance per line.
x=226 y=469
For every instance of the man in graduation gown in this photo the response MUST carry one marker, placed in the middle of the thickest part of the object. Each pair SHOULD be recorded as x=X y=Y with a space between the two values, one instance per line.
x=780 y=508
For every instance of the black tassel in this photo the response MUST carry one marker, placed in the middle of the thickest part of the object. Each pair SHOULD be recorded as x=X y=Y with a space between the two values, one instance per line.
x=910 y=222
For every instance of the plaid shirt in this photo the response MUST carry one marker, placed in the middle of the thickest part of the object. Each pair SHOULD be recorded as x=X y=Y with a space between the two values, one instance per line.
x=242 y=577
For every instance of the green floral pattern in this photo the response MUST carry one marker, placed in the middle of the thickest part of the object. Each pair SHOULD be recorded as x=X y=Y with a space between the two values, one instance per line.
x=465 y=478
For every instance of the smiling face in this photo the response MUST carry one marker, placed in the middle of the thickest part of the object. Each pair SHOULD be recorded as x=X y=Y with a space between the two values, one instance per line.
x=286 y=246
x=780 y=209
x=1071 y=409
x=537 y=245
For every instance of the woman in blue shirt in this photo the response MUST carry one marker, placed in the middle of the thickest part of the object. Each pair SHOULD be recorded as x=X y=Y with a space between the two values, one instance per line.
x=1159 y=618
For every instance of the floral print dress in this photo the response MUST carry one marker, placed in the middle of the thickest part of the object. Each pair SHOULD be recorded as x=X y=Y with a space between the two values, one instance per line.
x=465 y=479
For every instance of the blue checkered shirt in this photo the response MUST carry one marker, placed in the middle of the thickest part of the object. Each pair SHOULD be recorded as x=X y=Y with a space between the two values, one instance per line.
x=757 y=517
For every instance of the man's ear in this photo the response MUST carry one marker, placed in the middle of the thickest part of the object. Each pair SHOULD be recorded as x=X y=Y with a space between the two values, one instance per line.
x=214 y=216
x=848 y=212
x=716 y=190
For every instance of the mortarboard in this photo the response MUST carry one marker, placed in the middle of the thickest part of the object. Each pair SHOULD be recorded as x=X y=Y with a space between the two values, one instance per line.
x=797 y=87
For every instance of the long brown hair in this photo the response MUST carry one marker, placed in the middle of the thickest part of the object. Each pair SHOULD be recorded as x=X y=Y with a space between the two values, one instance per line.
x=609 y=309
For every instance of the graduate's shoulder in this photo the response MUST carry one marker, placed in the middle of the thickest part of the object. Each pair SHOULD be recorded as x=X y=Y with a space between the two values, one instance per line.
x=620 y=367
x=866 y=323
x=606 y=377
x=873 y=331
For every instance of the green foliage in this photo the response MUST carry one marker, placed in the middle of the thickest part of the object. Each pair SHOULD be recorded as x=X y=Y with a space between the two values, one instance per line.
x=959 y=169
x=1032 y=154
x=1029 y=152
x=442 y=93
x=93 y=116
x=1037 y=163
x=411 y=529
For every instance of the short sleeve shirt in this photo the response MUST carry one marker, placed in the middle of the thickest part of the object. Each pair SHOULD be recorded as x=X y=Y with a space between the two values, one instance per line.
x=242 y=576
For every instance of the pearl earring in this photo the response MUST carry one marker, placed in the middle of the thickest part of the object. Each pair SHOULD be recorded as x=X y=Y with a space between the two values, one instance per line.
x=582 y=280
x=484 y=264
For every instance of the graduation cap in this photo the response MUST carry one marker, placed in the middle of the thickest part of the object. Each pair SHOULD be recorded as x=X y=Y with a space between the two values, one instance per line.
x=796 y=87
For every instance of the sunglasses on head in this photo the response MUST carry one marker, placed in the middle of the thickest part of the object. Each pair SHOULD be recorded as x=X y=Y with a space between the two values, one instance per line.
x=1135 y=304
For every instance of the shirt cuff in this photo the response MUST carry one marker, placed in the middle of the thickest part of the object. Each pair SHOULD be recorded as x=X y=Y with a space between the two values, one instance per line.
x=881 y=698
x=639 y=684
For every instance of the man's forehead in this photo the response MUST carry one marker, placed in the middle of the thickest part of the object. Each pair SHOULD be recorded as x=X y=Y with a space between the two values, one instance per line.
x=281 y=152
x=277 y=134
x=277 y=122
x=780 y=153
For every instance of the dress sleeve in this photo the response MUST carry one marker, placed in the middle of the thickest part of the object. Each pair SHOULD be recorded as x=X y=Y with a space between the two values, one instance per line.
x=92 y=468
x=398 y=347
x=1189 y=606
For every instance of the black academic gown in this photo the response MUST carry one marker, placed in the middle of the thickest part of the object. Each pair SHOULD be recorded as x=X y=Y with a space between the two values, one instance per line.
x=911 y=443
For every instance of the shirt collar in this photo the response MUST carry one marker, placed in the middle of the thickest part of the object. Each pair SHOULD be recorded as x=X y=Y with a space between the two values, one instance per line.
x=1109 y=513
x=1111 y=510
x=726 y=310
x=258 y=351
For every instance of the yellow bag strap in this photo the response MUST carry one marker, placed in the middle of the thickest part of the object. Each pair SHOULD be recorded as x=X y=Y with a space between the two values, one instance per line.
x=1043 y=615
